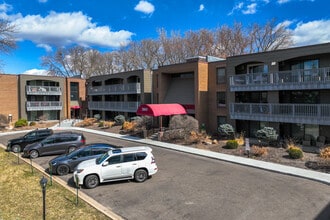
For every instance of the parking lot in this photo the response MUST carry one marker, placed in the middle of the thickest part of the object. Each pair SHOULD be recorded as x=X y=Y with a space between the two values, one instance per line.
x=194 y=187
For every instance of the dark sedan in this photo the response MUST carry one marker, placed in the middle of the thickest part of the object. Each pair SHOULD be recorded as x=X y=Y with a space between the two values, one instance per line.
x=66 y=163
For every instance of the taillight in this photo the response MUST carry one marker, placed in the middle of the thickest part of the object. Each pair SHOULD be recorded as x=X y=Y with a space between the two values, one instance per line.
x=83 y=141
x=153 y=160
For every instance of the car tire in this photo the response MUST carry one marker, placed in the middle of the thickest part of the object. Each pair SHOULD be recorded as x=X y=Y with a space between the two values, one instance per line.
x=140 y=175
x=91 y=181
x=34 y=154
x=16 y=148
x=62 y=170
x=71 y=149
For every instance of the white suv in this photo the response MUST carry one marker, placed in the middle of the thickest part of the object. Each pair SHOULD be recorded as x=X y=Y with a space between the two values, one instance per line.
x=118 y=164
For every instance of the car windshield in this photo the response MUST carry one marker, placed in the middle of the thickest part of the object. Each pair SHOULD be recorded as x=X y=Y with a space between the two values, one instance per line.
x=101 y=158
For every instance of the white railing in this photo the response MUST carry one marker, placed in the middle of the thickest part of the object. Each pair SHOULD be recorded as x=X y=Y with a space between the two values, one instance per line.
x=114 y=106
x=311 y=79
x=129 y=88
x=43 y=105
x=43 y=90
x=290 y=113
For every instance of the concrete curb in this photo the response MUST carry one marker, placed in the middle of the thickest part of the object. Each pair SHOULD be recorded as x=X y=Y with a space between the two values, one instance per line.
x=82 y=195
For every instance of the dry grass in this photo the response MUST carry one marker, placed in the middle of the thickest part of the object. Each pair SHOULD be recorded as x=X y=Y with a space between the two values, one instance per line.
x=21 y=196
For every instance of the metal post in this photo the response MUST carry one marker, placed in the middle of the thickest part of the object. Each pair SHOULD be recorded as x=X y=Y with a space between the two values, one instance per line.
x=43 y=184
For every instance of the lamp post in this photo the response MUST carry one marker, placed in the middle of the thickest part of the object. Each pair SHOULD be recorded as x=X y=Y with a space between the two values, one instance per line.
x=43 y=184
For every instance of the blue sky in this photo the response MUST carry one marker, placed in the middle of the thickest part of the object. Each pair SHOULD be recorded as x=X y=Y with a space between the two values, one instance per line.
x=104 y=25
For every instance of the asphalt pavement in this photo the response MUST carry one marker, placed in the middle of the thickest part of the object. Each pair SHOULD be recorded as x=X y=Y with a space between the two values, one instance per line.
x=273 y=167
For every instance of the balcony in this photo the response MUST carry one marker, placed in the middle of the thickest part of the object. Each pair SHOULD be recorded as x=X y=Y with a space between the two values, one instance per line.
x=43 y=90
x=114 y=106
x=129 y=88
x=286 y=113
x=283 y=80
x=43 y=106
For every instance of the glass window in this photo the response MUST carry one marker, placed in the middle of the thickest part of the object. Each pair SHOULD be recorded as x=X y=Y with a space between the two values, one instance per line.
x=140 y=155
x=221 y=99
x=221 y=75
x=74 y=91
x=114 y=159
x=128 y=157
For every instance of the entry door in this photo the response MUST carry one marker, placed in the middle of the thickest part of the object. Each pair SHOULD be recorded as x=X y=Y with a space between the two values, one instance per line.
x=113 y=169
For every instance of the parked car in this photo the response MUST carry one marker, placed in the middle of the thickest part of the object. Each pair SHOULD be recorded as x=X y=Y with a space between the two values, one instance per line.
x=18 y=144
x=57 y=143
x=66 y=163
x=136 y=163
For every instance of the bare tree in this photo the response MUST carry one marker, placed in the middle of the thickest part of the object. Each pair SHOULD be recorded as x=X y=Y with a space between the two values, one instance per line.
x=230 y=41
x=269 y=37
x=198 y=43
x=7 y=40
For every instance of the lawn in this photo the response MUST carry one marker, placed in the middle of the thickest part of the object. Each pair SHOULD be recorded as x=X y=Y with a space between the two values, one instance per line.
x=21 y=194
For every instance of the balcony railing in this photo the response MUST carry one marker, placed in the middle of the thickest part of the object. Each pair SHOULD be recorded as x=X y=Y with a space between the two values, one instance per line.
x=44 y=105
x=114 y=106
x=43 y=90
x=283 y=80
x=287 y=113
x=129 y=88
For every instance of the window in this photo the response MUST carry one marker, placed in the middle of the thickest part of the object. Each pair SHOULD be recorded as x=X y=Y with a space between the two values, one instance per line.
x=221 y=99
x=128 y=157
x=221 y=75
x=141 y=155
x=257 y=68
x=114 y=159
x=74 y=91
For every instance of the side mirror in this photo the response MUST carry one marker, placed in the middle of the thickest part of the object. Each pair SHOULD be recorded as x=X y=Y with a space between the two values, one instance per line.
x=106 y=163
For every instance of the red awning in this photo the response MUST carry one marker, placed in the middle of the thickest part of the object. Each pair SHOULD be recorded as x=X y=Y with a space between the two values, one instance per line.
x=161 y=109
x=75 y=107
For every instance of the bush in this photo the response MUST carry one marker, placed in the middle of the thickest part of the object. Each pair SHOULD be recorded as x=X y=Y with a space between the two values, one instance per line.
x=325 y=153
x=86 y=122
x=186 y=122
x=226 y=130
x=32 y=123
x=259 y=151
x=231 y=144
x=119 y=119
x=295 y=152
x=129 y=126
x=21 y=123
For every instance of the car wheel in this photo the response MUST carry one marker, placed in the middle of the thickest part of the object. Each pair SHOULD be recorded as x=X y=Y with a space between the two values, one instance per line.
x=91 y=181
x=62 y=170
x=71 y=149
x=140 y=175
x=34 y=154
x=16 y=148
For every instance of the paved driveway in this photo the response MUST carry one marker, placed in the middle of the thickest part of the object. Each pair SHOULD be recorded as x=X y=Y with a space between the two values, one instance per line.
x=194 y=187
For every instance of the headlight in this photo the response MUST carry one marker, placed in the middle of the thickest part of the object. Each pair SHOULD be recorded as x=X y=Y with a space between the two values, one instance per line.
x=53 y=163
x=80 y=170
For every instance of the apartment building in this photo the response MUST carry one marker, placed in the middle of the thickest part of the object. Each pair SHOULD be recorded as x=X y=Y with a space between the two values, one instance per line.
x=36 y=97
x=286 y=89
x=118 y=94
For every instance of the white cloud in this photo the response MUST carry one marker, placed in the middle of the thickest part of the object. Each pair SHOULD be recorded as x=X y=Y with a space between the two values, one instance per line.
x=251 y=9
x=145 y=7
x=5 y=8
x=237 y=7
x=36 y=72
x=313 y=32
x=60 y=29
x=283 y=1
x=201 y=7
